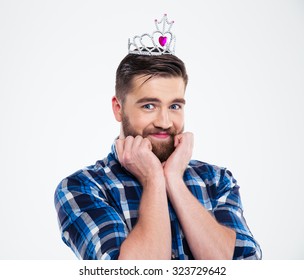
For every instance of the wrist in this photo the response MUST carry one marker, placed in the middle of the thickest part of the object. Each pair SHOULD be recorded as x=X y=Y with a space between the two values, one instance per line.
x=174 y=184
x=156 y=181
x=173 y=176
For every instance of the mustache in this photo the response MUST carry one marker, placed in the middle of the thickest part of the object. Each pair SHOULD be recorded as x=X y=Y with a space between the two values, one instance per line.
x=171 y=131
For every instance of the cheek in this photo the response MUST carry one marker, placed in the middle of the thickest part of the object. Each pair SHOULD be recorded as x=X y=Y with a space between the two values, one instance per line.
x=139 y=123
x=178 y=122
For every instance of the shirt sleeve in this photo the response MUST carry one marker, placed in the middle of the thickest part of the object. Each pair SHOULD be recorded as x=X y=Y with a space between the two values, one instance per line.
x=89 y=225
x=229 y=212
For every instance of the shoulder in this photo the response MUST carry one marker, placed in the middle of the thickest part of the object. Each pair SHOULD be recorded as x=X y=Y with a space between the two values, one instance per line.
x=78 y=178
x=212 y=175
x=92 y=176
x=90 y=179
x=209 y=170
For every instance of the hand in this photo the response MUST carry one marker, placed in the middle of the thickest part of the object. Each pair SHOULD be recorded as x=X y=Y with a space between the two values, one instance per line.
x=177 y=163
x=135 y=154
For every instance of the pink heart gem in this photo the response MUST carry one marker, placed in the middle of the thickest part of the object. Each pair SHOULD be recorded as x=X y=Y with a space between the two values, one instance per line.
x=162 y=40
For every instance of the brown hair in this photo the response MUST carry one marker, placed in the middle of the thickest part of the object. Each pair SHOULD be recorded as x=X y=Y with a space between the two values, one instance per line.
x=155 y=65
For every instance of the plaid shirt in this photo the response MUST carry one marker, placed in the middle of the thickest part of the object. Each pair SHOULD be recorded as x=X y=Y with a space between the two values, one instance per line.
x=98 y=207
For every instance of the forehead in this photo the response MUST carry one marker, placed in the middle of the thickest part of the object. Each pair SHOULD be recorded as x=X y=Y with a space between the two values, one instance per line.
x=165 y=89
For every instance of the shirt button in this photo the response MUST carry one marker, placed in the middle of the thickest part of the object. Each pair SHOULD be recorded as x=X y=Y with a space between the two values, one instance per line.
x=173 y=256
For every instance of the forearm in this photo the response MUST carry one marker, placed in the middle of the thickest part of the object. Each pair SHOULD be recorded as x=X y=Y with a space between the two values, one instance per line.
x=207 y=239
x=151 y=237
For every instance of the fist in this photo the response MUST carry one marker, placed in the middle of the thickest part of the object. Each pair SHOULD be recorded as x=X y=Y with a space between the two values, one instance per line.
x=135 y=155
x=179 y=159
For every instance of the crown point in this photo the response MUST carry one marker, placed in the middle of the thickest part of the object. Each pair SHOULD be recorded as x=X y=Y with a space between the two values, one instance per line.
x=164 y=44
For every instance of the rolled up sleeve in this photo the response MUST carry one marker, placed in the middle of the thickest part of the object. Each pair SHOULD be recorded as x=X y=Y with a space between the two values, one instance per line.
x=89 y=225
x=229 y=212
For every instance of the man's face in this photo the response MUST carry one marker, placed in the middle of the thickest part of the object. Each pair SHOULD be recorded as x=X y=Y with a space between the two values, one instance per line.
x=155 y=110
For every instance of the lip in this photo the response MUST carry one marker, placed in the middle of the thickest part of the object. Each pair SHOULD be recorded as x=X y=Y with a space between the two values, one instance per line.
x=160 y=135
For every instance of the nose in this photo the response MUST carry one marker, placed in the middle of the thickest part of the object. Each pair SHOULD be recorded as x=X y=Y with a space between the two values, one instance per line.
x=163 y=119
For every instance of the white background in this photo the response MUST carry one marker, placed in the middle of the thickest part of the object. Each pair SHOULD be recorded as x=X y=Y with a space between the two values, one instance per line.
x=245 y=103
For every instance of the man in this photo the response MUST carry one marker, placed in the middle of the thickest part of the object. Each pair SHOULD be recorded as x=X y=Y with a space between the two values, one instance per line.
x=147 y=199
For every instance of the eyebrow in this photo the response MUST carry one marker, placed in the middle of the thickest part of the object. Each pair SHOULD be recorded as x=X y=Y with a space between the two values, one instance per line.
x=156 y=100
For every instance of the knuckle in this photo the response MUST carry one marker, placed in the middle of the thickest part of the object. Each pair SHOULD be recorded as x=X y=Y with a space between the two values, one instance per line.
x=129 y=138
x=127 y=157
x=146 y=141
x=118 y=141
x=138 y=138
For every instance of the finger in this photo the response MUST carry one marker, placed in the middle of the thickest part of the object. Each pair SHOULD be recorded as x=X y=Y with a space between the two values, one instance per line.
x=177 y=139
x=128 y=143
x=119 y=143
x=137 y=142
x=189 y=139
x=146 y=142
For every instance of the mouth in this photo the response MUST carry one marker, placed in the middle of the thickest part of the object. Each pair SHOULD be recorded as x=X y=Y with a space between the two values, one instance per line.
x=160 y=135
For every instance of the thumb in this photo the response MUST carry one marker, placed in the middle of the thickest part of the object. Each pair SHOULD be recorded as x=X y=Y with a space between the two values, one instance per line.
x=147 y=142
x=177 y=139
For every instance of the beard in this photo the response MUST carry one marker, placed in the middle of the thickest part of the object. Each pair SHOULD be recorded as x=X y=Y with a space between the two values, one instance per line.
x=162 y=149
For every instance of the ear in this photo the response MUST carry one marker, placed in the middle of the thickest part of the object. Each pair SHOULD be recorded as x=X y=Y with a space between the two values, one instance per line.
x=117 y=108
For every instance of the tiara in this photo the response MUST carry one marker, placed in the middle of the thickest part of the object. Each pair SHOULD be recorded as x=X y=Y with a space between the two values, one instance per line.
x=161 y=41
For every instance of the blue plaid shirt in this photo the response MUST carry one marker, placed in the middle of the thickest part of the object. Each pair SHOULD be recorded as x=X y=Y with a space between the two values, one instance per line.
x=98 y=207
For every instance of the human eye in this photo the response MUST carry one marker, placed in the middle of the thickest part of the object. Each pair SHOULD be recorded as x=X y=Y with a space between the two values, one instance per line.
x=175 y=107
x=148 y=106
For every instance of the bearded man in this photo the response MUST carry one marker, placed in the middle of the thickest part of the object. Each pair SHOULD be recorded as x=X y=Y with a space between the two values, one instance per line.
x=147 y=199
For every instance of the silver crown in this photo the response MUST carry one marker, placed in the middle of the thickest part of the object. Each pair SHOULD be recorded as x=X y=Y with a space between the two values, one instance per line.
x=161 y=41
